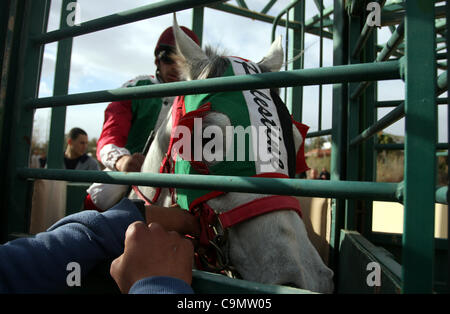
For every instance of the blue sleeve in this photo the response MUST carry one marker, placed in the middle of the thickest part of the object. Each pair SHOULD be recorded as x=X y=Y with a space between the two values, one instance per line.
x=39 y=264
x=161 y=285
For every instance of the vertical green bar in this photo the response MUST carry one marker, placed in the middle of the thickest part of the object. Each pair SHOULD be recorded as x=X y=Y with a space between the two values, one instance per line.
x=296 y=46
x=368 y=147
x=420 y=148
x=35 y=18
x=339 y=127
x=447 y=11
x=13 y=20
x=197 y=22
x=61 y=87
x=353 y=118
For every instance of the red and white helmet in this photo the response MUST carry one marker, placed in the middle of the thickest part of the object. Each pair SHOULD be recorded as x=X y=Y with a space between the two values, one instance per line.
x=167 y=39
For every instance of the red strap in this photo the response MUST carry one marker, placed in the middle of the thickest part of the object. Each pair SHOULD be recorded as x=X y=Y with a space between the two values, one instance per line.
x=300 y=162
x=259 y=207
x=89 y=204
x=142 y=196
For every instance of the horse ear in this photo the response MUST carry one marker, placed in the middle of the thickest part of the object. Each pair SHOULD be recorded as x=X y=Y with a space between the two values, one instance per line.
x=274 y=58
x=185 y=45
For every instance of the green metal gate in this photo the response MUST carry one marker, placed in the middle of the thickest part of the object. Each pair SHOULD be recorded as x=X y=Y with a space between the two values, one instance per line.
x=358 y=62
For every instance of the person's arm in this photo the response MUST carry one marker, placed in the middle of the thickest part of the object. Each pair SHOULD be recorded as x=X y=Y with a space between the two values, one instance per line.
x=39 y=264
x=114 y=136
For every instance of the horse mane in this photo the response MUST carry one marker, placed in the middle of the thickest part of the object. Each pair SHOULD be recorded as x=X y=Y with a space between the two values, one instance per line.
x=198 y=69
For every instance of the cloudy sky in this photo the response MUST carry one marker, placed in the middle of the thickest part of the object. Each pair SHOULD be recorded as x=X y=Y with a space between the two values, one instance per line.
x=107 y=59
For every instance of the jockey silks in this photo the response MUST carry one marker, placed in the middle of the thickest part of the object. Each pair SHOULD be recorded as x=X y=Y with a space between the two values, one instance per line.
x=258 y=139
x=145 y=117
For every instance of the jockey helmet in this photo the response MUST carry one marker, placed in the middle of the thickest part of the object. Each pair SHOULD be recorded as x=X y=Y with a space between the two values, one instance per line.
x=167 y=39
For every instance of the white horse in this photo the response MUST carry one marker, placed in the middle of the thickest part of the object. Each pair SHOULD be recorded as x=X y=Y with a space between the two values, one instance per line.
x=271 y=248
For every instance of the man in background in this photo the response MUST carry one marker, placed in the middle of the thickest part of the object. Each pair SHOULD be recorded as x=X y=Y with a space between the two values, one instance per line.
x=75 y=156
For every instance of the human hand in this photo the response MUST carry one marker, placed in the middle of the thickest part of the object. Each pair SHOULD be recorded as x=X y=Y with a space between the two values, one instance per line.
x=152 y=251
x=130 y=163
x=173 y=218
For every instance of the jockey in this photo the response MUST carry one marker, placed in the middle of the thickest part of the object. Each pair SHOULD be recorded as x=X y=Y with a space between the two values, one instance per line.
x=128 y=123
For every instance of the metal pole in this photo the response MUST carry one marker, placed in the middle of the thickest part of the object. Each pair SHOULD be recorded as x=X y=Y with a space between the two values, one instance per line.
x=61 y=87
x=420 y=148
x=328 y=75
x=34 y=19
x=339 y=127
x=122 y=18
x=197 y=22
x=316 y=188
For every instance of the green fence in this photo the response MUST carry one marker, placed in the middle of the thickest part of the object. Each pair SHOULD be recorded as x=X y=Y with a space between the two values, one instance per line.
x=412 y=54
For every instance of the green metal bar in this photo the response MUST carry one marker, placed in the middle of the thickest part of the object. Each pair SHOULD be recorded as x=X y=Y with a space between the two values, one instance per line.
x=447 y=35
x=368 y=153
x=268 y=6
x=388 y=49
x=395 y=18
x=401 y=146
x=395 y=103
x=34 y=17
x=328 y=75
x=420 y=148
x=317 y=188
x=7 y=95
x=319 y=133
x=251 y=14
x=278 y=17
x=441 y=195
x=242 y=4
x=197 y=22
x=319 y=4
x=313 y=20
x=339 y=127
x=387 y=120
x=396 y=114
x=126 y=17
x=61 y=87
x=365 y=33
x=353 y=117
x=296 y=46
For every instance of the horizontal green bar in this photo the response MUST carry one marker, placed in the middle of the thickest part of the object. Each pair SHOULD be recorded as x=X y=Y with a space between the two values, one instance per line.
x=268 y=6
x=395 y=103
x=224 y=7
x=317 y=188
x=313 y=20
x=328 y=75
x=319 y=133
x=396 y=114
x=387 y=120
x=282 y=12
x=381 y=238
x=384 y=55
x=126 y=17
x=401 y=146
x=441 y=195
